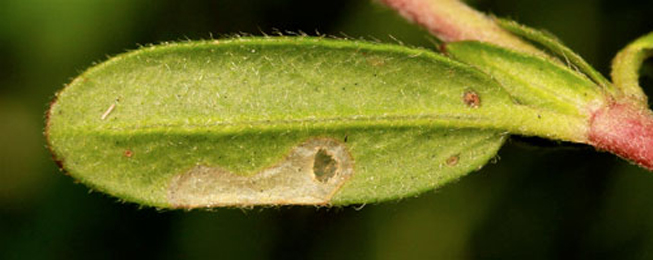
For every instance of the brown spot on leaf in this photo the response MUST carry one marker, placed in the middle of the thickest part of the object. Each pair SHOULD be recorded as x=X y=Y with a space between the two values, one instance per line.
x=310 y=174
x=58 y=162
x=443 y=48
x=453 y=160
x=128 y=153
x=472 y=99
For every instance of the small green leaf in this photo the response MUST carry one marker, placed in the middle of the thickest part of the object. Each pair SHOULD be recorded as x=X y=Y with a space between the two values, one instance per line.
x=625 y=68
x=557 y=48
x=268 y=121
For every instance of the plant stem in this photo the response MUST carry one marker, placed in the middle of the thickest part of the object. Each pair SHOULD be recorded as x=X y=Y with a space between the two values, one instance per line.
x=453 y=20
x=626 y=130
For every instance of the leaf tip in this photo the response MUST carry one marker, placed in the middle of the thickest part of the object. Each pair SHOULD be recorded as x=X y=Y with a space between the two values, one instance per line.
x=46 y=133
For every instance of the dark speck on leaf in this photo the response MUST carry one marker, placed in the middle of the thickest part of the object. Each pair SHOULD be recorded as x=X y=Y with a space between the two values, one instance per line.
x=453 y=160
x=472 y=99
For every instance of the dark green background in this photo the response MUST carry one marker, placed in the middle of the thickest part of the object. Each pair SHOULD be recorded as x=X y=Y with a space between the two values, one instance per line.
x=539 y=199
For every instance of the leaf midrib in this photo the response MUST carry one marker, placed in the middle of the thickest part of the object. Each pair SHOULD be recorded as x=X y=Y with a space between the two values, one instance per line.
x=454 y=121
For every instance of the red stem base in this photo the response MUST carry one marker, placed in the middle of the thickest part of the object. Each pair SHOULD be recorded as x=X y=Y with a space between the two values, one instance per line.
x=626 y=130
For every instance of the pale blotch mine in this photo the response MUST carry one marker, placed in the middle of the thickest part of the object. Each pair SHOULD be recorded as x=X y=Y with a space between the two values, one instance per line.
x=310 y=174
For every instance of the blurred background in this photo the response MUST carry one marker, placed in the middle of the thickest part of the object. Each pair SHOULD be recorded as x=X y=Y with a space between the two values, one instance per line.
x=539 y=199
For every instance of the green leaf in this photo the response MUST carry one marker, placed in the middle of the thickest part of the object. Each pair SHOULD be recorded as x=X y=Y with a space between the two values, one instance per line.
x=625 y=68
x=557 y=48
x=269 y=121
x=533 y=81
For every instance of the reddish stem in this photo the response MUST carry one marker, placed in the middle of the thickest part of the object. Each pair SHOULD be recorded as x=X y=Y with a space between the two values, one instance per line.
x=420 y=12
x=626 y=130
x=452 y=20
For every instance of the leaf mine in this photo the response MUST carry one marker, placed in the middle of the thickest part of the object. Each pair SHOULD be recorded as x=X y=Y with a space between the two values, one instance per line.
x=310 y=174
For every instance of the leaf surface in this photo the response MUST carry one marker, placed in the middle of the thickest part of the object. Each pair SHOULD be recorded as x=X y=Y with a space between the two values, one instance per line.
x=532 y=80
x=553 y=45
x=270 y=121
